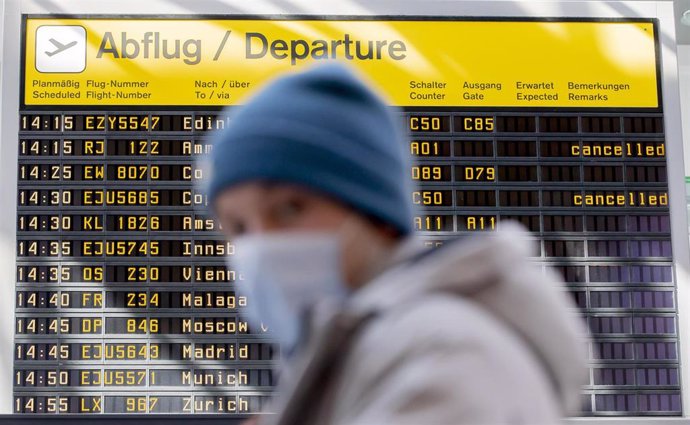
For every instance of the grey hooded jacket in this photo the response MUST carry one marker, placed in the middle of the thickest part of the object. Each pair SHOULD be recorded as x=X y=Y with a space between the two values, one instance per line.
x=471 y=333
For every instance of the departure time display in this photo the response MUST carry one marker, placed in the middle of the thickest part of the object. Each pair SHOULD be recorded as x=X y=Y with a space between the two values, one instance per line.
x=123 y=300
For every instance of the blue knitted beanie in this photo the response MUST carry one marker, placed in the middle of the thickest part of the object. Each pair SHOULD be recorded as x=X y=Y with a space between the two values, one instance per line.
x=324 y=130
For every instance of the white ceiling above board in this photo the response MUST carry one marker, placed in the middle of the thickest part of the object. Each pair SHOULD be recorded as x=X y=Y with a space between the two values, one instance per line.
x=682 y=31
x=680 y=6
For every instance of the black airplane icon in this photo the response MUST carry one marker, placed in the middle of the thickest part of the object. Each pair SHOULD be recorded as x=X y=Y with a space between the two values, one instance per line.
x=60 y=47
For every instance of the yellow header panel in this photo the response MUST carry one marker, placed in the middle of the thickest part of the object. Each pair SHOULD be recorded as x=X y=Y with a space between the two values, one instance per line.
x=416 y=63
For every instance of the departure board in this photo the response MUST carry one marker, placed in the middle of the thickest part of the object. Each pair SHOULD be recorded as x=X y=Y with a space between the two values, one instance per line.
x=123 y=300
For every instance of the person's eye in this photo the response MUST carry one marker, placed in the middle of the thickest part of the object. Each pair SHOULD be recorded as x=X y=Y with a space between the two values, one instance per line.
x=288 y=210
x=234 y=228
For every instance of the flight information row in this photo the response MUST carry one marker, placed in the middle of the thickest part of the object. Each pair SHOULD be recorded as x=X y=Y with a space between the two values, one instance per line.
x=433 y=147
x=144 y=377
x=107 y=147
x=125 y=273
x=199 y=223
x=544 y=148
x=140 y=123
x=543 y=124
x=627 y=323
x=415 y=123
x=594 y=275
x=483 y=196
x=148 y=402
x=51 y=249
x=610 y=173
x=255 y=379
x=225 y=404
x=227 y=324
x=133 y=299
x=154 y=299
x=49 y=351
x=184 y=275
x=113 y=351
x=426 y=172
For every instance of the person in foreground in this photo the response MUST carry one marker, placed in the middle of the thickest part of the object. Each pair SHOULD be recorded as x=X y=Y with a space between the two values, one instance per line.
x=310 y=182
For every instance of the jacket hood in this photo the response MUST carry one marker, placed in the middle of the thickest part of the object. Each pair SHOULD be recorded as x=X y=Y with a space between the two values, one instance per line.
x=494 y=271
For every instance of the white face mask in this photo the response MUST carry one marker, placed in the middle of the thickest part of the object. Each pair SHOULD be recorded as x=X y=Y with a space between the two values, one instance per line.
x=284 y=275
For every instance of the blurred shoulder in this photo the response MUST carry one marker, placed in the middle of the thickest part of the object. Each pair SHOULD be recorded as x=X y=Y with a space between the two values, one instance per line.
x=431 y=322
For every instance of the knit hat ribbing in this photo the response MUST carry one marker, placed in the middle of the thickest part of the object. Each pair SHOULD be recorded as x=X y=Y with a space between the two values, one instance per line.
x=325 y=130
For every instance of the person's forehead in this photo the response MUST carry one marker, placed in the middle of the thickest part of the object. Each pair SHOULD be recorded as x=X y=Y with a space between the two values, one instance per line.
x=253 y=194
x=267 y=188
